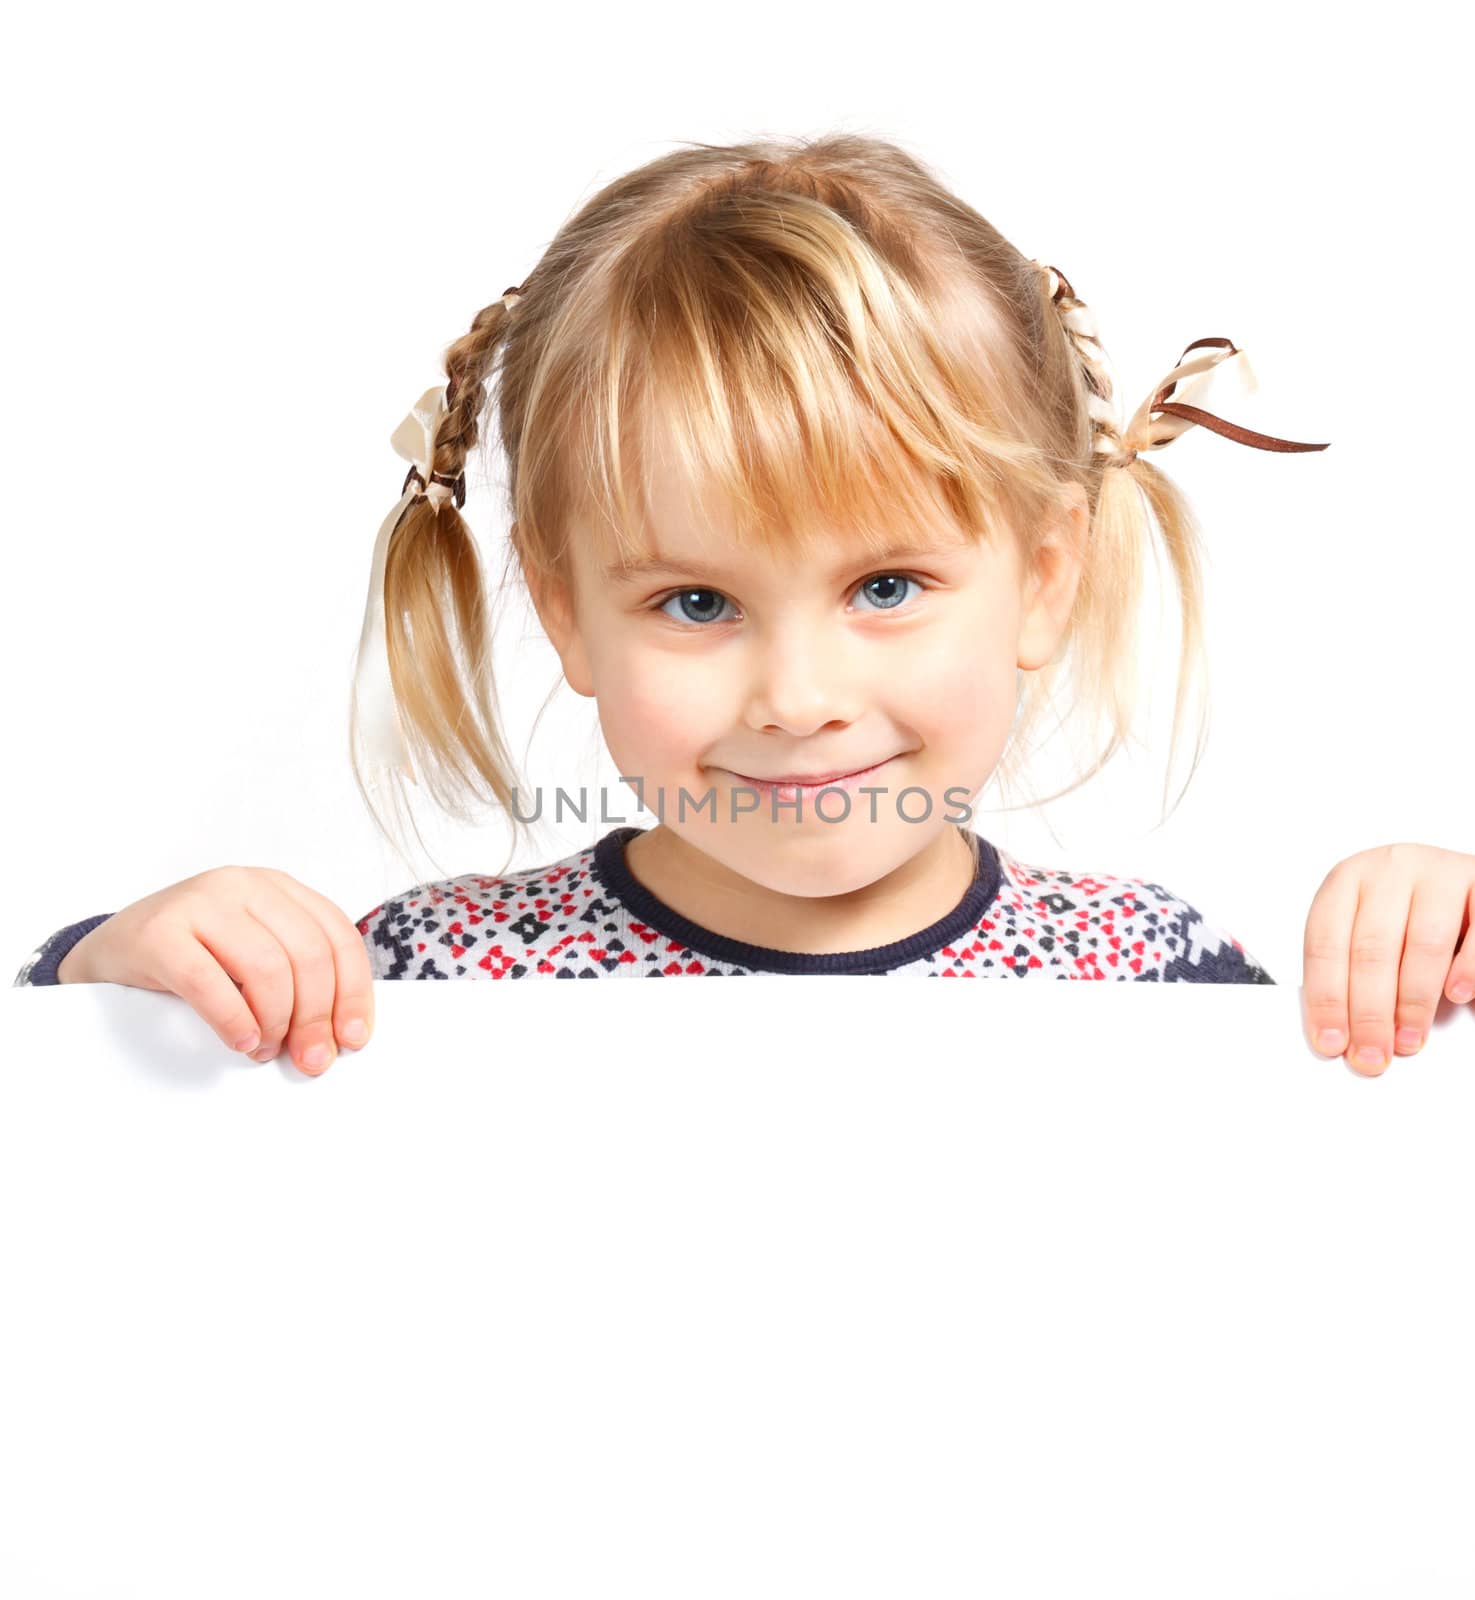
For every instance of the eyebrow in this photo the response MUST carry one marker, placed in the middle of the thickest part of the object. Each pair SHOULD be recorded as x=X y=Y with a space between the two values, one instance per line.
x=620 y=573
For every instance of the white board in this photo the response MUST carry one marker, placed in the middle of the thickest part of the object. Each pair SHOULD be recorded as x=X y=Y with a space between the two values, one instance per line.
x=781 y=1286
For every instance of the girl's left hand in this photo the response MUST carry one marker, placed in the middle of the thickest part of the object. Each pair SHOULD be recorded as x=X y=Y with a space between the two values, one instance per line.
x=1380 y=947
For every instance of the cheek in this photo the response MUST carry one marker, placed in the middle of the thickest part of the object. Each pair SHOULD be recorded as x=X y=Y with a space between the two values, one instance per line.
x=960 y=689
x=650 y=712
x=968 y=716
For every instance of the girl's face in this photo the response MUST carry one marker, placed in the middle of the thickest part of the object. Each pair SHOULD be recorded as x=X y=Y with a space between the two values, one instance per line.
x=727 y=667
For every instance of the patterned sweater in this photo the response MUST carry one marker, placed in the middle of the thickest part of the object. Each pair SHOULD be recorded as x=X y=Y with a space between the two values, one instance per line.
x=586 y=916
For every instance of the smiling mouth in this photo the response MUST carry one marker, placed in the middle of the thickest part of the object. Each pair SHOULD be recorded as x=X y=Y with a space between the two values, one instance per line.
x=813 y=783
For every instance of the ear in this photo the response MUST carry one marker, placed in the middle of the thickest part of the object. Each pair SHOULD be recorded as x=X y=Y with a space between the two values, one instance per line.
x=1050 y=586
x=554 y=603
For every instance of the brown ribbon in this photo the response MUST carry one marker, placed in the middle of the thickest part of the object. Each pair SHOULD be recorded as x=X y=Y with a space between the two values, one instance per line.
x=1158 y=421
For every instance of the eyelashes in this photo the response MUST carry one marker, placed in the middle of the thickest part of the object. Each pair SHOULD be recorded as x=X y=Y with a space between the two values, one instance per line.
x=659 y=606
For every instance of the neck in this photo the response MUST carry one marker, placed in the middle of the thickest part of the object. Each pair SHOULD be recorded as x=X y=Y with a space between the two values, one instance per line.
x=920 y=891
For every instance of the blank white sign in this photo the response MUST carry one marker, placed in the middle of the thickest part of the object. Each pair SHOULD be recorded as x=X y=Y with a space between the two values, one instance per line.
x=769 y=1286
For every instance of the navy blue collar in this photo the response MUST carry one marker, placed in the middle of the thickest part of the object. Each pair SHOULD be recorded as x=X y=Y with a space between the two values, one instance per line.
x=609 y=865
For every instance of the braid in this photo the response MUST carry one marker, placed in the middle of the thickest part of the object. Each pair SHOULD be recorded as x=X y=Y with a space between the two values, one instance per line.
x=1080 y=327
x=467 y=363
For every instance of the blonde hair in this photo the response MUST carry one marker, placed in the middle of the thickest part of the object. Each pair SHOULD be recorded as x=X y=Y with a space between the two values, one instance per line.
x=823 y=331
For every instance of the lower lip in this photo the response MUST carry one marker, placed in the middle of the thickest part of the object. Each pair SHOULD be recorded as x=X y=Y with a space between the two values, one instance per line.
x=792 y=791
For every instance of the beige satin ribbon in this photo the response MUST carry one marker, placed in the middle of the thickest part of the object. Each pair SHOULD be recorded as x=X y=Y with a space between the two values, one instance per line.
x=1195 y=380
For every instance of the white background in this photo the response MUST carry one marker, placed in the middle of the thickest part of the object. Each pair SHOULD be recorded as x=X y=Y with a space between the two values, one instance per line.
x=241 y=241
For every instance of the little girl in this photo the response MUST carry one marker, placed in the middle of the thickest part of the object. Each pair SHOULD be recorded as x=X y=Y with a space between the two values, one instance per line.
x=817 y=482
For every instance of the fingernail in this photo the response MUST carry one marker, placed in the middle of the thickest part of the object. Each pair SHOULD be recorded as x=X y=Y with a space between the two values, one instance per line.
x=1409 y=1038
x=265 y=1053
x=1461 y=993
x=317 y=1056
x=248 y=1044
x=1331 y=1041
x=1369 y=1055
x=355 y=1032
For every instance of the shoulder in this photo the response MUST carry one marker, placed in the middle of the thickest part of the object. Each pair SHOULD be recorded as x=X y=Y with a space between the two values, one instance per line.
x=481 y=925
x=1096 y=925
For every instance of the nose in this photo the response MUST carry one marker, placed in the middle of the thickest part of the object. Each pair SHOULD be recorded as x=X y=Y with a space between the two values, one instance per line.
x=802 y=681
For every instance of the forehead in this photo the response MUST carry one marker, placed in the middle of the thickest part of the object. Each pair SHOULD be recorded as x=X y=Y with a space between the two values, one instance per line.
x=684 y=525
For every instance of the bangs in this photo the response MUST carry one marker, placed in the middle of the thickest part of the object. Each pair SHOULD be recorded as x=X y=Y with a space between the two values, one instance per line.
x=798 y=403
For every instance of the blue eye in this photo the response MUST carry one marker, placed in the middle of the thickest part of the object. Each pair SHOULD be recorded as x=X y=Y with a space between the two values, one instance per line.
x=694 y=612
x=700 y=606
x=891 y=595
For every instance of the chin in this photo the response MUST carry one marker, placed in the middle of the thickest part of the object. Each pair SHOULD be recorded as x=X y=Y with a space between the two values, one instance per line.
x=799 y=863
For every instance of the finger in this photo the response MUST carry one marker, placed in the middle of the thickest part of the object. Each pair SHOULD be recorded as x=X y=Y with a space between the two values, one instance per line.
x=309 y=1030
x=1376 y=957
x=252 y=955
x=1434 y=921
x=354 y=987
x=1460 y=984
x=192 y=969
x=1326 y=956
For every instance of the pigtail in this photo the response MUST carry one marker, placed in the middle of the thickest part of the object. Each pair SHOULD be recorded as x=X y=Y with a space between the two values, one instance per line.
x=1128 y=494
x=423 y=692
x=1121 y=487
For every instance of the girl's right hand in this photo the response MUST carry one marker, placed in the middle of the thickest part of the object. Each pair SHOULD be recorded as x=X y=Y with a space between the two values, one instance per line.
x=265 y=960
